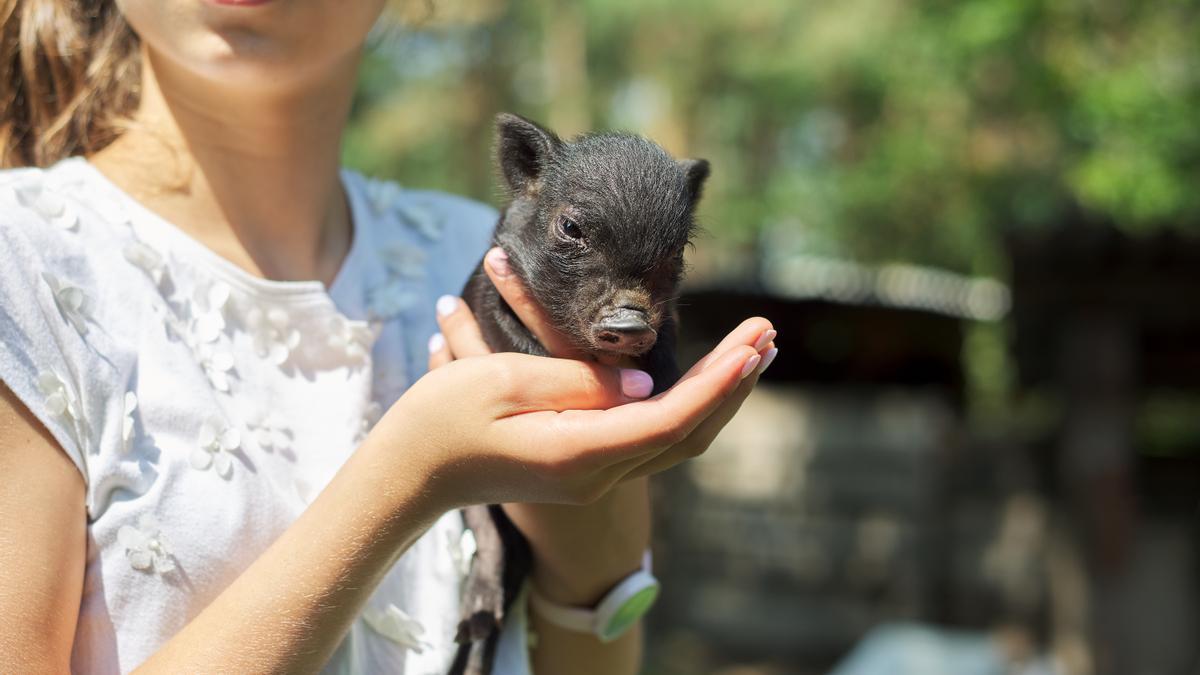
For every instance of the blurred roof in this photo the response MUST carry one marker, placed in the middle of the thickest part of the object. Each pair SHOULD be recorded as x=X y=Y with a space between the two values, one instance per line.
x=901 y=286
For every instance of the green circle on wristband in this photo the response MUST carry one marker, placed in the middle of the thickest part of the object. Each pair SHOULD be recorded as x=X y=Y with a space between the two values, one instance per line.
x=630 y=612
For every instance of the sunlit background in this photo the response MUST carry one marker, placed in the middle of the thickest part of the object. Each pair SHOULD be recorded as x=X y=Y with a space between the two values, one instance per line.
x=977 y=226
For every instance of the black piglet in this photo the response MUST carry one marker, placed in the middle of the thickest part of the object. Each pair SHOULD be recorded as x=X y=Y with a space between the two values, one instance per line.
x=596 y=228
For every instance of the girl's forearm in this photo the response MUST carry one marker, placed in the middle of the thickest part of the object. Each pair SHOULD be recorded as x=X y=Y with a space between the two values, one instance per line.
x=290 y=609
x=560 y=651
x=580 y=553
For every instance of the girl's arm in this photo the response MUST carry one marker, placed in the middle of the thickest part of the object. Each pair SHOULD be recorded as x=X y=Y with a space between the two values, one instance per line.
x=291 y=608
x=474 y=431
x=42 y=544
x=286 y=613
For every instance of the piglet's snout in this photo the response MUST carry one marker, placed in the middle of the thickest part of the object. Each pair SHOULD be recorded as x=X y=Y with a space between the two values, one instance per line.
x=624 y=330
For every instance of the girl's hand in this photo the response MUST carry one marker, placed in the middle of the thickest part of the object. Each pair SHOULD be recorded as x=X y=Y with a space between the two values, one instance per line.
x=513 y=427
x=575 y=424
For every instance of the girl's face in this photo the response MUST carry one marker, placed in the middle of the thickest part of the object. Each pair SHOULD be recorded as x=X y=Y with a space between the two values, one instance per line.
x=264 y=44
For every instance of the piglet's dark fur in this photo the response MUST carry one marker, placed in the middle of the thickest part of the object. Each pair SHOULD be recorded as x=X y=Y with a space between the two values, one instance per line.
x=596 y=227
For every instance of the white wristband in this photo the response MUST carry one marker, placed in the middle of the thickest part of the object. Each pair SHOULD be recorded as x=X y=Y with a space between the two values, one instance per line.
x=619 y=609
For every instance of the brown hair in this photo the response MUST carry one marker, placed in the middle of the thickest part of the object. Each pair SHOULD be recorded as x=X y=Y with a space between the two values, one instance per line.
x=70 y=72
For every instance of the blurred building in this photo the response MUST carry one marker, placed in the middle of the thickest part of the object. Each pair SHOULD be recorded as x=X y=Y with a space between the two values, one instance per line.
x=1107 y=333
x=823 y=508
x=855 y=491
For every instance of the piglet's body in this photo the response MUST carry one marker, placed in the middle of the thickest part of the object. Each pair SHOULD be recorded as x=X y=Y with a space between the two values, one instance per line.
x=596 y=228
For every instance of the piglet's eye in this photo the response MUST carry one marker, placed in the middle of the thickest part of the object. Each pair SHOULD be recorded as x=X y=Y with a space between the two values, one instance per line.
x=570 y=228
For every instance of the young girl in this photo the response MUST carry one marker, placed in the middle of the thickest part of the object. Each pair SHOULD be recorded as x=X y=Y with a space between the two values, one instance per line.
x=219 y=449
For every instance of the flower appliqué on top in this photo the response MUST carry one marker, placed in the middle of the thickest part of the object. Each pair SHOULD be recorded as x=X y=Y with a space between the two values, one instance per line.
x=422 y=219
x=396 y=625
x=48 y=205
x=405 y=264
x=385 y=196
x=145 y=258
x=127 y=424
x=217 y=442
x=462 y=550
x=271 y=434
x=205 y=329
x=207 y=309
x=404 y=260
x=72 y=302
x=352 y=338
x=60 y=400
x=382 y=195
x=274 y=337
x=392 y=298
x=146 y=547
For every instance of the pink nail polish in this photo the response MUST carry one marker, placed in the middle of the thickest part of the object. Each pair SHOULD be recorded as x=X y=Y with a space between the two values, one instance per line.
x=636 y=383
x=765 y=339
x=497 y=259
x=446 y=305
x=436 y=342
x=767 y=359
x=750 y=365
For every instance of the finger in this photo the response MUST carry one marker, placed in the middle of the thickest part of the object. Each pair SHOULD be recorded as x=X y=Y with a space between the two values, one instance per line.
x=513 y=290
x=768 y=357
x=460 y=329
x=540 y=384
x=756 y=332
x=643 y=427
x=439 y=354
x=702 y=436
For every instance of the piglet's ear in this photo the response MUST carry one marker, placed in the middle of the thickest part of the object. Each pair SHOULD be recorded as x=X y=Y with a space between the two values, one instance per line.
x=523 y=149
x=696 y=171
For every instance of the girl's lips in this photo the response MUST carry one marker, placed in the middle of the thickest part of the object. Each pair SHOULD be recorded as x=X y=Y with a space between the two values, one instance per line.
x=241 y=3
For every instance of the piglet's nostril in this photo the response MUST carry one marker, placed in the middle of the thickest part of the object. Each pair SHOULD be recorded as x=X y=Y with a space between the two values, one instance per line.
x=626 y=330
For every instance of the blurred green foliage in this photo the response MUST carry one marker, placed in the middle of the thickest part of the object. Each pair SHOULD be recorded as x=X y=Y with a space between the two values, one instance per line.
x=873 y=129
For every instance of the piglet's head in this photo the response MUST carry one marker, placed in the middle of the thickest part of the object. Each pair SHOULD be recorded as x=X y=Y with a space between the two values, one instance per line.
x=597 y=228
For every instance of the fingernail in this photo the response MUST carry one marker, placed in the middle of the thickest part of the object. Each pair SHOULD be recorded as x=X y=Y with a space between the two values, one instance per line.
x=767 y=359
x=765 y=339
x=436 y=342
x=497 y=259
x=636 y=383
x=446 y=305
x=750 y=364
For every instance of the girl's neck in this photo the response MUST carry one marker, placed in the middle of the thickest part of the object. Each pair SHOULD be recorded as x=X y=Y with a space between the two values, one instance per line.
x=254 y=175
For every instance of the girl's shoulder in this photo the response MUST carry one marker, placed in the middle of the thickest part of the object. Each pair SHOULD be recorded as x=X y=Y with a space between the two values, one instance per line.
x=57 y=351
x=34 y=206
x=430 y=232
x=61 y=230
x=431 y=212
x=58 y=217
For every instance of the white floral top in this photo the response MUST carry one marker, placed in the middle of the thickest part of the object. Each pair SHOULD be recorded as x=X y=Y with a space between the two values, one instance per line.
x=206 y=407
